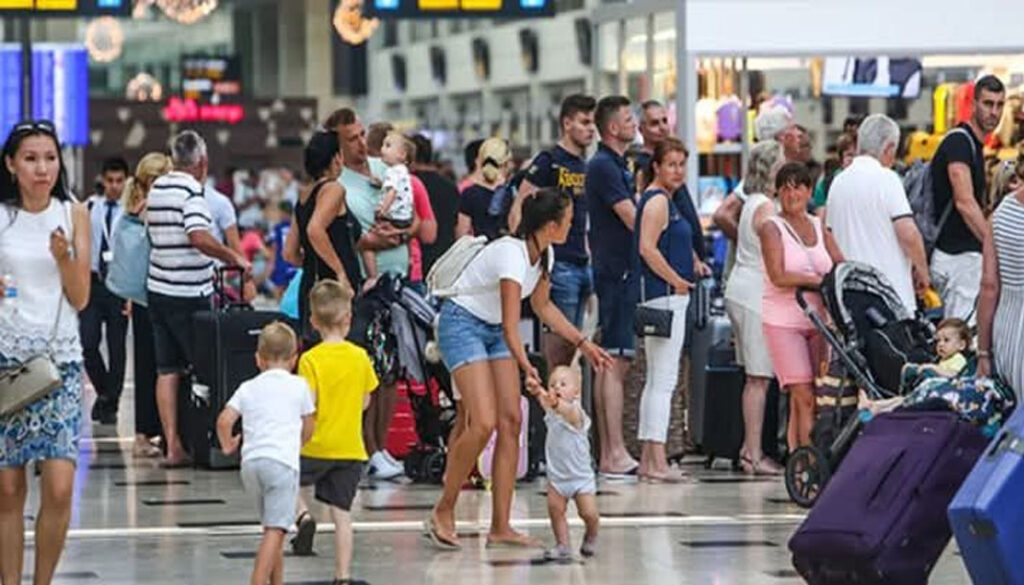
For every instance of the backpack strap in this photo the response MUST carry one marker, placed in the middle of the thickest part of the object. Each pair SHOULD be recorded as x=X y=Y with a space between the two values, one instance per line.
x=948 y=211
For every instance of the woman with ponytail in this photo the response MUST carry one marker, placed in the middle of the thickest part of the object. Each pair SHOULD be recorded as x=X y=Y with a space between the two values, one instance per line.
x=147 y=419
x=478 y=335
x=475 y=202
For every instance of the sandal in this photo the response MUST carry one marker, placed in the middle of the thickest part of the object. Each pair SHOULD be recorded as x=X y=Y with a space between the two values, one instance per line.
x=302 y=544
x=436 y=538
x=517 y=541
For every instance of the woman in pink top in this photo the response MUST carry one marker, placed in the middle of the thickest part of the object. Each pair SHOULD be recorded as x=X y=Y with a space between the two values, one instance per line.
x=797 y=253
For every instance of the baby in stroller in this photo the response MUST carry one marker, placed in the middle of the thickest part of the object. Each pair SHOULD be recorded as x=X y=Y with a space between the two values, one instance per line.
x=952 y=340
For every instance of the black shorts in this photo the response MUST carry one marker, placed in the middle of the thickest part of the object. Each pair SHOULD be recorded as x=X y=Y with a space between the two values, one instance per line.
x=336 y=481
x=173 y=324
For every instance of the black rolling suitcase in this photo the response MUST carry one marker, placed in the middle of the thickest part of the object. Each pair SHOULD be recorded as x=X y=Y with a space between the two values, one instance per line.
x=723 y=408
x=224 y=342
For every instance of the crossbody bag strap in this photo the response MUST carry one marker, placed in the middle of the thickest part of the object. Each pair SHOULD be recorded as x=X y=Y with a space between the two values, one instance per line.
x=948 y=211
x=792 y=232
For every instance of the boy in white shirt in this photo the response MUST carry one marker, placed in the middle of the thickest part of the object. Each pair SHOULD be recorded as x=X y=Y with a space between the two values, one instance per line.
x=277 y=414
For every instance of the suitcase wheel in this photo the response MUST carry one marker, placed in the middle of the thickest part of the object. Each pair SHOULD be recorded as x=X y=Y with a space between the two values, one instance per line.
x=807 y=472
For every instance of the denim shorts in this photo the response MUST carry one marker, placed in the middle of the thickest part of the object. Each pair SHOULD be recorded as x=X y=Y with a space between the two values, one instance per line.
x=571 y=286
x=617 y=297
x=464 y=338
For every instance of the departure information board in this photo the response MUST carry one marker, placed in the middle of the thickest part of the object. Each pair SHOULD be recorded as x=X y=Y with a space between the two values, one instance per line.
x=41 y=8
x=459 y=8
x=60 y=89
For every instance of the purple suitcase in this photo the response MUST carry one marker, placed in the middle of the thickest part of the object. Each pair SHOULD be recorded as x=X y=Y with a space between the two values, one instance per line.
x=882 y=517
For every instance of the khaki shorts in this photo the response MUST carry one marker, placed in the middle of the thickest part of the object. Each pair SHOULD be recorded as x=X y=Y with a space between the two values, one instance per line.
x=751 y=347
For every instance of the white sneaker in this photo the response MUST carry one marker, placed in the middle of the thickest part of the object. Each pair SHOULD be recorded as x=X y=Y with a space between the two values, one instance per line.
x=391 y=458
x=381 y=468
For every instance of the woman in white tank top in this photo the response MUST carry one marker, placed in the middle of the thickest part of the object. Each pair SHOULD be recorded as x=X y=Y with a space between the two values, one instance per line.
x=44 y=276
x=743 y=298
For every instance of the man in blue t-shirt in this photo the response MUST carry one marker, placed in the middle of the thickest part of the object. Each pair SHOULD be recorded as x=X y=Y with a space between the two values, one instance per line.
x=610 y=193
x=563 y=167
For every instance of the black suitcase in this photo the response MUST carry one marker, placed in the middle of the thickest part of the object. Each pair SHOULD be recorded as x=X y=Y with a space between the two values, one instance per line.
x=723 y=408
x=224 y=341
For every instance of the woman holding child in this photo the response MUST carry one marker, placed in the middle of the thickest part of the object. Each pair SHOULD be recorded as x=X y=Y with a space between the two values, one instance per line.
x=480 y=343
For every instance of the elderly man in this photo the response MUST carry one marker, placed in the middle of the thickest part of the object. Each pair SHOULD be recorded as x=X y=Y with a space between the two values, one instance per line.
x=180 y=273
x=870 y=217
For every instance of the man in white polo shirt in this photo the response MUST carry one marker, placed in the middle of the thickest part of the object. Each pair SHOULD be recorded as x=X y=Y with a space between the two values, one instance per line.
x=869 y=215
x=180 y=273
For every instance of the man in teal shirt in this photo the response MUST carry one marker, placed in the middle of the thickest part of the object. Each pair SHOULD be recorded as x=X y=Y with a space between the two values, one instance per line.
x=392 y=250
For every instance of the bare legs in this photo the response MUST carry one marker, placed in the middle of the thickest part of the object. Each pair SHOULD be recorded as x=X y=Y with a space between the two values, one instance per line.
x=586 y=507
x=377 y=418
x=167 y=404
x=269 y=566
x=56 y=484
x=505 y=374
x=801 y=415
x=344 y=541
x=608 y=398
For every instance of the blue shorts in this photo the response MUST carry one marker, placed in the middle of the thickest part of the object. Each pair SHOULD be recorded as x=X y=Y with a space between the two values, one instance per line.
x=571 y=286
x=464 y=338
x=617 y=297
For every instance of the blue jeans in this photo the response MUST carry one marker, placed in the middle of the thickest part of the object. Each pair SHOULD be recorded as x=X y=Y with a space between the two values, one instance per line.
x=571 y=286
x=464 y=338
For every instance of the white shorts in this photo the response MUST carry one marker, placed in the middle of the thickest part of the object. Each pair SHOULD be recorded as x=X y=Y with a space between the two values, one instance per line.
x=276 y=488
x=574 y=487
x=751 y=347
x=961 y=274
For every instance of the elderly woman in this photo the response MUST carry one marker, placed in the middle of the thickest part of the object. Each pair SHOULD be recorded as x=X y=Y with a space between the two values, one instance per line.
x=44 y=248
x=1001 y=303
x=743 y=300
x=668 y=265
x=797 y=254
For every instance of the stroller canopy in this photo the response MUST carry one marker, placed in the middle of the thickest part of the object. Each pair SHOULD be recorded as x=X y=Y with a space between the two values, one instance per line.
x=854 y=292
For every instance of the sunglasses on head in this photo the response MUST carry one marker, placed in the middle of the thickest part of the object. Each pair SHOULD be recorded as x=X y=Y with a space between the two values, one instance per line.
x=34 y=126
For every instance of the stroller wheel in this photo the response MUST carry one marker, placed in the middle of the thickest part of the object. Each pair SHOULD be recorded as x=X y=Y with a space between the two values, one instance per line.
x=807 y=472
x=412 y=464
x=433 y=466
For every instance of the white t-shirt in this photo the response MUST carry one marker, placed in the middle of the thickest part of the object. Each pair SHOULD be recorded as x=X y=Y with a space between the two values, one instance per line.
x=504 y=258
x=222 y=211
x=397 y=178
x=272 y=406
x=863 y=202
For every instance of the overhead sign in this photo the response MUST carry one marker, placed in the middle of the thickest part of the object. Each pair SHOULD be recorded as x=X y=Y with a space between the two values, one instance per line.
x=40 y=8
x=204 y=77
x=60 y=89
x=459 y=8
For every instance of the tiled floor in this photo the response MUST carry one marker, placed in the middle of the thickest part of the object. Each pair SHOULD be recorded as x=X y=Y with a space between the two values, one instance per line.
x=136 y=523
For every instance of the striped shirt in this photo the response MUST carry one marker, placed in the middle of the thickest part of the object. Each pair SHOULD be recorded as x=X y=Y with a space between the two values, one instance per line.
x=177 y=208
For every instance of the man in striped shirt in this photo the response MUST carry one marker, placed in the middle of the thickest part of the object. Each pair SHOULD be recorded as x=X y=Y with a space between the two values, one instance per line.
x=180 y=272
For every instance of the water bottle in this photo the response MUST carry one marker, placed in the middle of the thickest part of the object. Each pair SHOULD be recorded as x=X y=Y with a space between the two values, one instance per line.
x=10 y=289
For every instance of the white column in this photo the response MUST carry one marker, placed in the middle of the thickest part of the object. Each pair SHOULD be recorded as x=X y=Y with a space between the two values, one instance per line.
x=686 y=98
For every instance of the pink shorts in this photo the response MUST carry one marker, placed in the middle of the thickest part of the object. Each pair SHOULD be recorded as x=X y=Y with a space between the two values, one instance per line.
x=798 y=355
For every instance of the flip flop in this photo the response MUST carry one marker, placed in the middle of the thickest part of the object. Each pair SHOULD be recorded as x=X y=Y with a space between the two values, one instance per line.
x=629 y=474
x=302 y=544
x=439 y=542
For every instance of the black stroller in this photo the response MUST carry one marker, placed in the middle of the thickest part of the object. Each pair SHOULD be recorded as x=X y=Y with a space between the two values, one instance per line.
x=413 y=318
x=872 y=337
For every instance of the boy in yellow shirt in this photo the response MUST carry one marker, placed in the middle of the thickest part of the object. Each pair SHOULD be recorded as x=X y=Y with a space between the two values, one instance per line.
x=341 y=377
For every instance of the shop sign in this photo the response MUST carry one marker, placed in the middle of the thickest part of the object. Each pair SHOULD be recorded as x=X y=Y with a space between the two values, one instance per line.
x=189 y=110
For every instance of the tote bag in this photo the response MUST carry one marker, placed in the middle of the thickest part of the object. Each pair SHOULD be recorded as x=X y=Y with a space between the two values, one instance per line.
x=129 y=269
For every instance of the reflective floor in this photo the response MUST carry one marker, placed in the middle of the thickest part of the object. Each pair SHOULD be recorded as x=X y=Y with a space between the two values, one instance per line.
x=136 y=523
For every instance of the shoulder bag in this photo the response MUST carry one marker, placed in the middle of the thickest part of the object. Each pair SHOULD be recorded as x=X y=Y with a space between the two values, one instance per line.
x=129 y=270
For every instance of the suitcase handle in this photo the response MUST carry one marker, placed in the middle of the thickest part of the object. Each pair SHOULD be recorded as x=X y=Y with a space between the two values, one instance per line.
x=220 y=288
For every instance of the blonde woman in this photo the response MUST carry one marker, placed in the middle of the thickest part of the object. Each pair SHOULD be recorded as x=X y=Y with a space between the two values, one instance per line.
x=147 y=420
x=474 y=205
x=1006 y=178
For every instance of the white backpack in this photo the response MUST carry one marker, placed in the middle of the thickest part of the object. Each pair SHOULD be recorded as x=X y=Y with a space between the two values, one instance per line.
x=449 y=267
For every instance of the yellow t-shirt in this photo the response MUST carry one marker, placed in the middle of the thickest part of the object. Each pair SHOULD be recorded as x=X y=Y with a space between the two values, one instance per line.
x=953 y=364
x=340 y=376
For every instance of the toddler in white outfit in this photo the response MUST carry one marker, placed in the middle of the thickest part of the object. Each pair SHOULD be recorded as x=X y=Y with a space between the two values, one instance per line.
x=569 y=469
x=396 y=204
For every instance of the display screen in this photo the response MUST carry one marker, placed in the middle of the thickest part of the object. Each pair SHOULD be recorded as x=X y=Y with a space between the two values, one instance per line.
x=60 y=89
x=872 y=77
x=459 y=8
x=204 y=77
x=37 y=8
